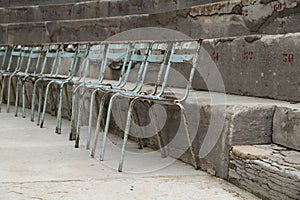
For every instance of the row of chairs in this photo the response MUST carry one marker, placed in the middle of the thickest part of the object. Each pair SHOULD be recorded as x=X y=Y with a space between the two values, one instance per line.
x=40 y=65
x=133 y=60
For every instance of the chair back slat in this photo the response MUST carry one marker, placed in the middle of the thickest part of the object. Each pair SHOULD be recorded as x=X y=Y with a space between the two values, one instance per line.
x=66 y=58
x=93 y=61
x=182 y=53
x=115 y=53
x=3 y=55
x=157 y=55
x=138 y=58
x=50 y=58
x=79 y=67
x=14 y=59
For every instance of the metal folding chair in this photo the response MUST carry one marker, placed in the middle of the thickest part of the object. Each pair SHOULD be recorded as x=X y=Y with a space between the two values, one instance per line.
x=112 y=52
x=95 y=58
x=20 y=71
x=185 y=52
x=29 y=74
x=65 y=57
x=47 y=69
x=14 y=63
x=72 y=55
x=157 y=55
x=139 y=55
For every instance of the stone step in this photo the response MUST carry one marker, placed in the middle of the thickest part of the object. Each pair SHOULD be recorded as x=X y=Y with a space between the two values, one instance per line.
x=269 y=171
x=217 y=123
x=205 y=21
x=258 y=65
x=286 y=127
x=91 y=9
x=264 y=66
x=16 y=3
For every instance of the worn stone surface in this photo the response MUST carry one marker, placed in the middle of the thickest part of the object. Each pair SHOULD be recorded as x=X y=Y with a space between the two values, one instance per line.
x=90 y=9
x=246 y=121
x=286 y=127
x=257 y=65
x=269 y=171
x=14 y=3
x=41 y=165
x=222 y=19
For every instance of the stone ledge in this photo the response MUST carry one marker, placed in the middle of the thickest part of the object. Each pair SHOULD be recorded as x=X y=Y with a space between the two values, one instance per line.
x=286 y=127
x=269 y=171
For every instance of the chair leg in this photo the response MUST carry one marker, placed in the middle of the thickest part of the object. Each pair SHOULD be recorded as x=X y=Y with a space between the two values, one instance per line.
x=2 y=92
x=17 y=97
x=136 y=119
x=59 y=111
x=90 y=118
x=77 y=131
x=126 y=133
x=107 y=126
x=8 y=94
x=161 y=146
x=75 y=100
x=68 y=102
x=35 y=85
x=23 y=99
x=52 y=101
x=98 y=126
x=45 y=105
x=186 y=126
x=40 y=103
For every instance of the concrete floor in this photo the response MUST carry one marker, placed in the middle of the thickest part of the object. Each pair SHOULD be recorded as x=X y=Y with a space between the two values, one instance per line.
x=37 y=164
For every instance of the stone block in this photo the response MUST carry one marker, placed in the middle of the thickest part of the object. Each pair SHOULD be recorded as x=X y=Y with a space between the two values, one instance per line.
x=268 y=171
x=286 y=127
x=242 y=124
x=263 y=66
x=24 y=33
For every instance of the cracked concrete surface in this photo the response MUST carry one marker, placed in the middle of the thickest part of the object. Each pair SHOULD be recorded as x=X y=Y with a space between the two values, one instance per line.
x=37 y=164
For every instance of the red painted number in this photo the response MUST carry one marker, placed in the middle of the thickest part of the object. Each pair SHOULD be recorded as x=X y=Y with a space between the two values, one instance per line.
x=216 y=56
x=248 y=55
x=288 y=57
x=278 y=6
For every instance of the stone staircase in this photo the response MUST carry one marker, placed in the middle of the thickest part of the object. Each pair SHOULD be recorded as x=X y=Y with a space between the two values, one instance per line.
x=254 y=45
x=101 y=19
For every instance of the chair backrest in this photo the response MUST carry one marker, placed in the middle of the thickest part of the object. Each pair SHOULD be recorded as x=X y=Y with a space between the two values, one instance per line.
x=14 y=59
x=116 y=54
x=25 y=59
x=93 y=62
x=78 y=68
x=34 y=60
x=3 y=55
x=136 y=65
x=50 y=58
x=66 y=60
x=185 y=55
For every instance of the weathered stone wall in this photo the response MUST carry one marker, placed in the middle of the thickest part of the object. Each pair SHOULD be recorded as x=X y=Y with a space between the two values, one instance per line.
x=13 y=3
x=258 y=65
x=91 y=9
x=223 y=19
x=270 y=171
